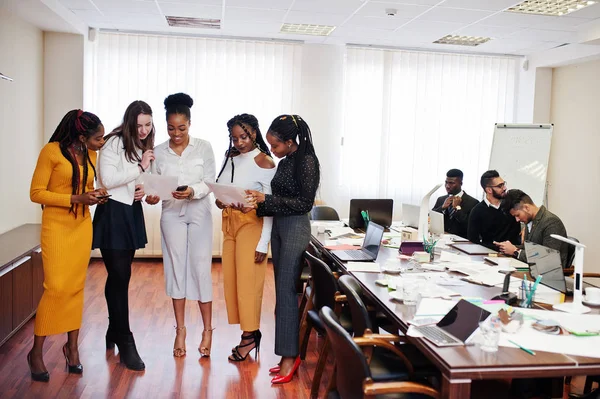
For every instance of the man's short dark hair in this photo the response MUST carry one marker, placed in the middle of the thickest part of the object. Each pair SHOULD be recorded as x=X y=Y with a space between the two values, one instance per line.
x=455 y=173
x=515 y=199
x=487 y=177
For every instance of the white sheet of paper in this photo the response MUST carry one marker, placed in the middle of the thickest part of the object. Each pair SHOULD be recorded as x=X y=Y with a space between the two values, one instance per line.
x=228 y=194
x=446 y=256
x=367 y=267
x=160 y=185
x=434 y=307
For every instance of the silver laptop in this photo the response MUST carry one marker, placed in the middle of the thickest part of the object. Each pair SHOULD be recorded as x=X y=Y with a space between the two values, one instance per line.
x=544 y=261
x=457 y=327
x=437 y=223
x=410 y=215
x=370 y=248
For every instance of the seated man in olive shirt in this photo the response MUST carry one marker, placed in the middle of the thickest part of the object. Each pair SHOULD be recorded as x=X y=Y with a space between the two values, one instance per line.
x=540 y=224
x=456 y=206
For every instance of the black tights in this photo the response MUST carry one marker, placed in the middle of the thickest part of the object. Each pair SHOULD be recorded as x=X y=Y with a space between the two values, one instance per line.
x=118 y=265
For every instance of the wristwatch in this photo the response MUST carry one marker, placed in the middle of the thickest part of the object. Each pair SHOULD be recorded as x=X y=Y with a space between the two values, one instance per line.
x=516 y=253
x=458 y=208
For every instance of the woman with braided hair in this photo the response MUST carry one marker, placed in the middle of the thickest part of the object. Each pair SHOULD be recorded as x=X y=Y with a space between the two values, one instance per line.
x=294 y=188
x=248 y=165
x=63 y=182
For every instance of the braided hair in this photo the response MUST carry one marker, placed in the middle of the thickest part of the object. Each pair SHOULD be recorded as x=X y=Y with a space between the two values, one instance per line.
x=74 y=124
x=243 y=121
x=128 y=131
x=293 y=127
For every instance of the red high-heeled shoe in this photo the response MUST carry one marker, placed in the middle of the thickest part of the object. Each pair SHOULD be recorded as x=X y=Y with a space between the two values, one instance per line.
x=275 y=369
x=283 y=379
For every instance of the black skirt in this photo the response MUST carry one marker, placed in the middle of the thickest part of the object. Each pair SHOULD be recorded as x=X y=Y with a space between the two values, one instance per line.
x=119 y=226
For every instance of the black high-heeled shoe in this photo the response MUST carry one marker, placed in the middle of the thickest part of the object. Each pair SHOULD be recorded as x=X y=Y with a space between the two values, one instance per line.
x=41 y=377
x=111 y=340
x=243 y=337
x=128 y=352
x=256 y=337
x=76 y=369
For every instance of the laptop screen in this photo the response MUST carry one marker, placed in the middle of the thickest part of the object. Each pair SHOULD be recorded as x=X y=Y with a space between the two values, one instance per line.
x=546 y=262
x=380 y=211
x=463 y=319
x=373 y=238
x=410 y=215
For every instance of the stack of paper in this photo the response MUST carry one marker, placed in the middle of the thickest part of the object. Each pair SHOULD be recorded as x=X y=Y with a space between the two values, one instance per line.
x=469 y=269
x=490 y=277
x=367 y=267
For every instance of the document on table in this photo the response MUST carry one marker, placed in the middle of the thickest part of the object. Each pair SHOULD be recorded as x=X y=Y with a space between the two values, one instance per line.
x=366 y=267
x=228 y=194
x=162 y=186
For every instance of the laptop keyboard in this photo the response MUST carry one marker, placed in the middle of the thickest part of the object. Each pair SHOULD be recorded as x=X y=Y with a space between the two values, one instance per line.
x=436 y=335
x=357 y=255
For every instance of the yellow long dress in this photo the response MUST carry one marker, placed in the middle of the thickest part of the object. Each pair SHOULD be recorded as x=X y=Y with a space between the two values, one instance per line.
x=66 y=241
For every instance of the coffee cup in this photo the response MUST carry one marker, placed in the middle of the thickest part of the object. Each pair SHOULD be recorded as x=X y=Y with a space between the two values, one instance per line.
x=592 y=294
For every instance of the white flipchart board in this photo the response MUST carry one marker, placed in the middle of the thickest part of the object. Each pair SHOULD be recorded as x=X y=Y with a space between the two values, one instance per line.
x=520 y=153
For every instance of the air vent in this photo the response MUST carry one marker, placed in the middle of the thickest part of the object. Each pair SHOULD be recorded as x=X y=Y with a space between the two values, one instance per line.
x=201 y=23
x=307 y=29
x=457 y=40
x=550 y=7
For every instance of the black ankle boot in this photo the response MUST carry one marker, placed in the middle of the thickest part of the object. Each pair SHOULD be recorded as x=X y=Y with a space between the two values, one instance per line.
x=111 y=339
x=128 y=352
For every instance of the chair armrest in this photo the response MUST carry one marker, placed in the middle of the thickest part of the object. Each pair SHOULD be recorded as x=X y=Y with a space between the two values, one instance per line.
x=369 y=342
x=371 y=388
x=385 y=337
x=340 y=298
x=568 y=271
x=336 y=275
x=596 y=275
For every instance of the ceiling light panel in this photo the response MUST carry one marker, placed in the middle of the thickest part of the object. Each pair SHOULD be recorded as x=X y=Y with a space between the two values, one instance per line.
x=550 y=7
x=307 y=29
x=187 y=22
x=457 y=40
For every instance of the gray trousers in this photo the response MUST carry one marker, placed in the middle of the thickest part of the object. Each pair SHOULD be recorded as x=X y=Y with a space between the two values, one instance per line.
x=289 y=239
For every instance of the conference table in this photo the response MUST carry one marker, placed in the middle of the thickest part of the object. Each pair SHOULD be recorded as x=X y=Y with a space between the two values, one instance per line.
x=460 y=365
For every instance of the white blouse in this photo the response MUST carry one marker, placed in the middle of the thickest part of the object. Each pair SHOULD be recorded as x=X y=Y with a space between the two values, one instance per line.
x=195 y=166
x=248 y=175
x=117 y=174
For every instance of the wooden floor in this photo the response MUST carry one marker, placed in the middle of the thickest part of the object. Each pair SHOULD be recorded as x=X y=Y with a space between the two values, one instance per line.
x=152 y=324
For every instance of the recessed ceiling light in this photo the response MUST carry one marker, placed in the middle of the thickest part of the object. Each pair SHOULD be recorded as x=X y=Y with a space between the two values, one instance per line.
x=550 y=7
x=307 y=29
x=462 y=40
x=187 y=22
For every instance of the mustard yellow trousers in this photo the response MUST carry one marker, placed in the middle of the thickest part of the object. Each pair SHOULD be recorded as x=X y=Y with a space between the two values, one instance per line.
x=243 y=279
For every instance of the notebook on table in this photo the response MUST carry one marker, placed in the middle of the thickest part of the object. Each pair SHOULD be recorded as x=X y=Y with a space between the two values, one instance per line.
x=369 y=249
x=472 y=249
x=458 y=325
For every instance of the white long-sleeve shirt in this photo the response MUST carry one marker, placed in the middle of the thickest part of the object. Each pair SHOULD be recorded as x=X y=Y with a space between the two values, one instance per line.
x=115 y=173
x=249 y=176
x=194 y=167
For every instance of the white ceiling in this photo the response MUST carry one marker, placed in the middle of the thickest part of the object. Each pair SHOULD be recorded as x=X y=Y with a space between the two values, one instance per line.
x=416 y=25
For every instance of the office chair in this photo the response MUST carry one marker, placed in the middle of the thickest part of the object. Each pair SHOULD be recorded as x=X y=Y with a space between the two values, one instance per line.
x=325 y=293
x=353 y=378
x=387 y=360
x=323 y=212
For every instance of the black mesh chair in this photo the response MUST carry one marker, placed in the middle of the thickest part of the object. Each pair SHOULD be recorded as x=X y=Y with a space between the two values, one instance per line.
x=353 y=374
x=323 y=212
x=388 y=361
x=325 y=292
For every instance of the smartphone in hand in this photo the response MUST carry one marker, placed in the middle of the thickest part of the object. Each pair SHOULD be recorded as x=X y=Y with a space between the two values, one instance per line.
x=101 y=197
x=181 y=188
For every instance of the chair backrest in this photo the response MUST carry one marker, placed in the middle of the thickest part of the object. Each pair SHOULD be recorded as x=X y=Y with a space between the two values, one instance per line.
x=571 y=252
x=323 y=282
x=360 y=315
x=323 y=212
x=352 y=368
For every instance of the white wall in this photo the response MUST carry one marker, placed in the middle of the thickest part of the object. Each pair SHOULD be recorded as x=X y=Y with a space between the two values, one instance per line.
x=63 y=77
x=574 y=171
x=21 y=121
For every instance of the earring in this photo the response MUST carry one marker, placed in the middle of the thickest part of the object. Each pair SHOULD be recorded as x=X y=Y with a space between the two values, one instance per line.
x=289 y=146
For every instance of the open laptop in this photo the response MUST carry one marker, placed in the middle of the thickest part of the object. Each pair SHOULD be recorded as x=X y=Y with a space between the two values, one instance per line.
x=546 y=262
x=436 y=226
x=380 y=211
x=370 y=248
x=410 y=215
x=457 y=327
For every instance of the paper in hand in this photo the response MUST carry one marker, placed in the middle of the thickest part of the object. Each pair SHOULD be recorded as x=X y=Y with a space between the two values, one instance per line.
x=229 y=194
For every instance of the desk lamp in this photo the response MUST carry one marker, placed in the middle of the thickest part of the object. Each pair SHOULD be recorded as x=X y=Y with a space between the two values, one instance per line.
x=424 y=213
x=576 y=306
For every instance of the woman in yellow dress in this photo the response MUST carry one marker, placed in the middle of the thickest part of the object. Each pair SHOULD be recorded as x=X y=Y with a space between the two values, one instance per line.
x=63 y=182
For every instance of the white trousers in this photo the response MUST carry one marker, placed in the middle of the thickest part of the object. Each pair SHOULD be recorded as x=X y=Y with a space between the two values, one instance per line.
x=187 y=237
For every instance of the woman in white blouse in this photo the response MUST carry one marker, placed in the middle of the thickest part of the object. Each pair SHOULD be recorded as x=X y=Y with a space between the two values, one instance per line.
x=186 y=220
x=119 y=224
x=248 y=165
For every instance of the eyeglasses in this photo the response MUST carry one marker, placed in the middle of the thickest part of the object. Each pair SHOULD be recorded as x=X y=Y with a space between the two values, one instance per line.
x=501 y=185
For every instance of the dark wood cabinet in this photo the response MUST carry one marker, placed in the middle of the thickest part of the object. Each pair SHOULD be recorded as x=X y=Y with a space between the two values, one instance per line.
x=6 y=302
x=37 y=276
x=22 y=291
x=21 y=277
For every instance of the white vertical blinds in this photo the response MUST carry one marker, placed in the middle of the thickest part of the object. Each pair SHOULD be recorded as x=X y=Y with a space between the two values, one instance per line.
x=224 y=77
x=410 y=116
